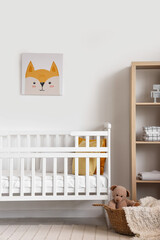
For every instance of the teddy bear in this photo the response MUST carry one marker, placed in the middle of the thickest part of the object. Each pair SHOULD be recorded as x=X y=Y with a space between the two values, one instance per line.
x=120 y=200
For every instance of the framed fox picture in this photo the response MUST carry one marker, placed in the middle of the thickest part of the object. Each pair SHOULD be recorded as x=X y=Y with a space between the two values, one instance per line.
x=42 y=74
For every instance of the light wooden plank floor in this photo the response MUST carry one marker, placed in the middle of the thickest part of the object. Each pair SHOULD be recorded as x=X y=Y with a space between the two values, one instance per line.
x=58 y=232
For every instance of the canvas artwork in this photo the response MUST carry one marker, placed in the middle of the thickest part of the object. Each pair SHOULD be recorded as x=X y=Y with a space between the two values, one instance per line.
x=42 y=74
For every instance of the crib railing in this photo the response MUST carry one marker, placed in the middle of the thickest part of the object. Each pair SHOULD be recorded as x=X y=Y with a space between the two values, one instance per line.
x=37 y=147
x=30 y=151
x=65 y=193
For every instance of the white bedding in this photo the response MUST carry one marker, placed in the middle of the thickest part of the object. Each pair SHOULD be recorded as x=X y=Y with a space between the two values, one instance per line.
x=16 y=180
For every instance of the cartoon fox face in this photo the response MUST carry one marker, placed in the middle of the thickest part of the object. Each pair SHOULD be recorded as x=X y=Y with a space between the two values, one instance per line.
x=41 y=81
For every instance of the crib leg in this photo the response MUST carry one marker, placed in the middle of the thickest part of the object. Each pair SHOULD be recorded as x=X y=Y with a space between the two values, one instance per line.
x=106 y=217
x=107 y=220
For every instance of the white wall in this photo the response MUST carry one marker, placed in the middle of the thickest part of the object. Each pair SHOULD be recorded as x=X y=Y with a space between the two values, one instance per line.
x=99 y=39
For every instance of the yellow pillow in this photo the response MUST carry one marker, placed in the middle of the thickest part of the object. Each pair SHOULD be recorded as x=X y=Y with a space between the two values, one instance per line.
x=82 y=166
x=92 y=161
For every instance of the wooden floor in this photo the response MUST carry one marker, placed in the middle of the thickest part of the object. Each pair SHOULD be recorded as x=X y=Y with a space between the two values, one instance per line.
x=60 y=231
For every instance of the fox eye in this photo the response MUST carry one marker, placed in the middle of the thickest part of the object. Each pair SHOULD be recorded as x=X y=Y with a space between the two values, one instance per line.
x=34 y=82
x=117 y=195
x=121 y=196
x=49 y=83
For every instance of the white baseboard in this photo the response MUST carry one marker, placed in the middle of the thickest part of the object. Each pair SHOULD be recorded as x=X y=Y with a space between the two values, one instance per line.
x=51 y=213
x=47 y=209
x=58 y=221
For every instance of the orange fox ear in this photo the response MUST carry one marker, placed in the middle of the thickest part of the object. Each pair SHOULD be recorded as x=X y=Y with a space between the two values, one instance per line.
x=30 y=68
x=54 y=69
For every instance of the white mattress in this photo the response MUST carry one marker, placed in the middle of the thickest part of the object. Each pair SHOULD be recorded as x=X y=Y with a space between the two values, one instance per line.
x=49 y=183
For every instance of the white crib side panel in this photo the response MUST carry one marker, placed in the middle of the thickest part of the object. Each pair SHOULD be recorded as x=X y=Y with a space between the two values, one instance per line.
x=56 y=189
x=59 y=162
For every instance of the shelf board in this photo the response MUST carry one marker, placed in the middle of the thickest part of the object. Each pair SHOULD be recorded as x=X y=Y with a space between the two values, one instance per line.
x=147 y=181
x=146 y=65
x=147 y=104
x=145 y=142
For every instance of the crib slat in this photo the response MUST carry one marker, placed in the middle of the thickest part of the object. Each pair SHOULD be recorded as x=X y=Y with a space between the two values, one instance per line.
x=11 y=177
x=108 y=140
x=66 y=140
x=28 y=140
x=65 y=175
x=44 y=177
x=54 y=176
x=87 y=141
x=98 y=141
x=18 y=138
x=47 y=140
x=76 y=141
x=1 y=141
x=87 y=176
x=28 y=145
x=57 y=140
x=0 y=177
x=38 y=140
x=98 y=176
x=18 y=141
x=9 y=141
x=22 y=177
x=33 y=176
x=76 y=176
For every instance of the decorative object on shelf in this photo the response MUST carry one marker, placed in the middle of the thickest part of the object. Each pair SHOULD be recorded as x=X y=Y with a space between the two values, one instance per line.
x=156 y=92
x=42 y=74
x=150 y=176
x=151 y=133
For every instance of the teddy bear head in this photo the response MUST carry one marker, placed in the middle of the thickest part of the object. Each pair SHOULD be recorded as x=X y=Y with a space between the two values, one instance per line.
x=119 y=193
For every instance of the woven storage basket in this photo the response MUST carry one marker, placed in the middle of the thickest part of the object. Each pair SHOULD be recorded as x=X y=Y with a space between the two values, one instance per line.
x=117 y=219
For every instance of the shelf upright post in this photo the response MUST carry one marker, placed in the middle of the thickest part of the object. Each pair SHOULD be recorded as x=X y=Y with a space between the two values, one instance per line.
x=133 y=130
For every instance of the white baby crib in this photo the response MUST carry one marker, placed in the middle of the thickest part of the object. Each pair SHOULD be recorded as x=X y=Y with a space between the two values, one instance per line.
x=38 y=165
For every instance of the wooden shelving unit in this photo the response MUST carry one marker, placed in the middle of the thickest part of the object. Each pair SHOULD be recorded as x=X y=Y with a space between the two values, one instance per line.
x=141 y=181
x=143 y=142
x=146 y=105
